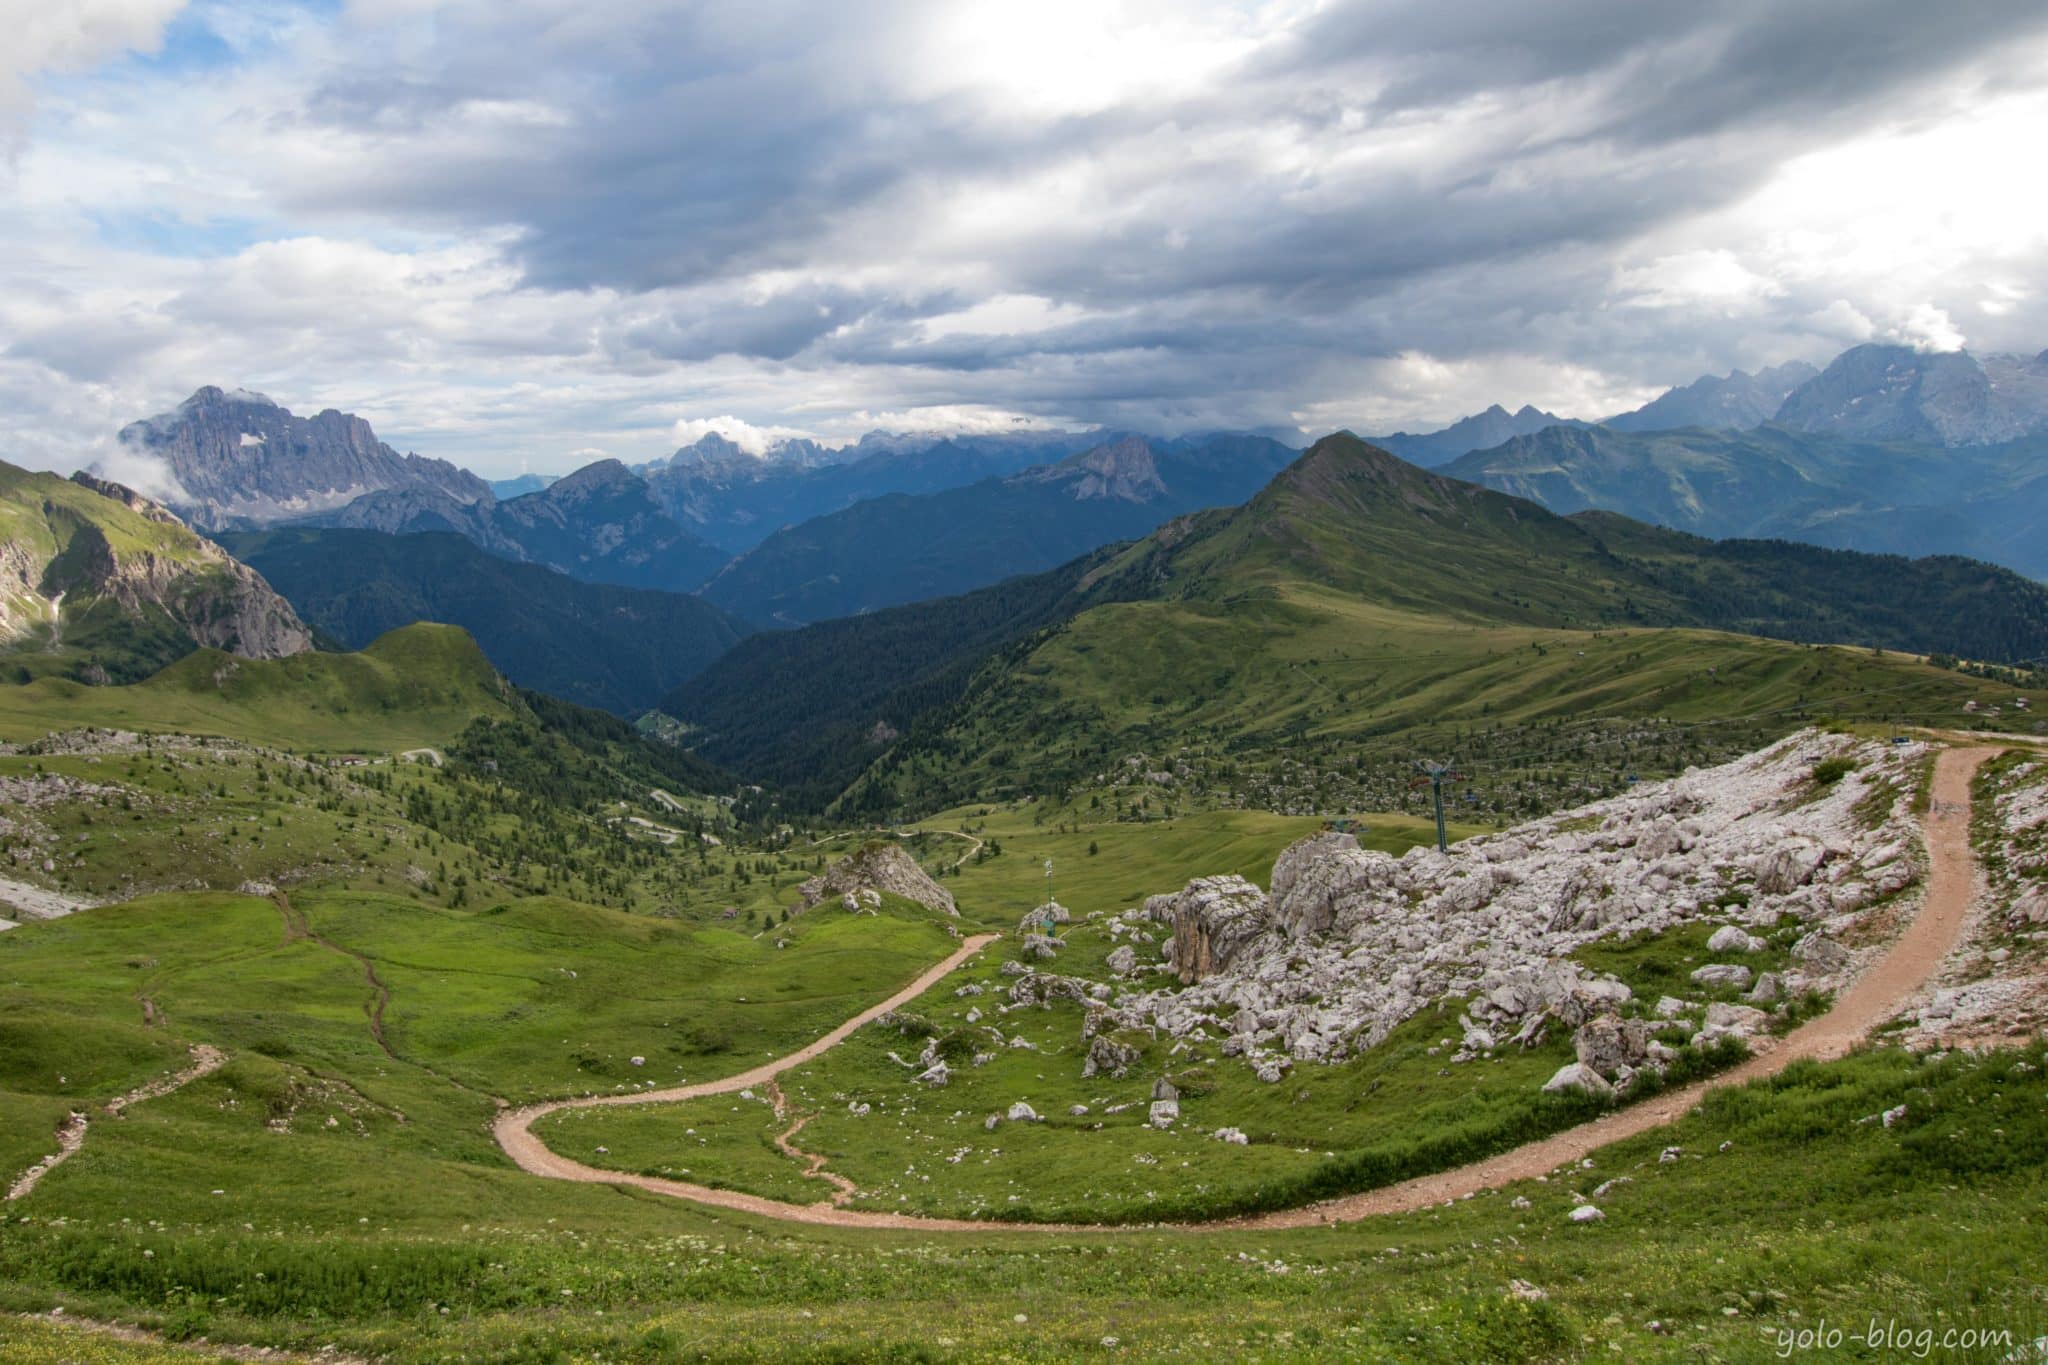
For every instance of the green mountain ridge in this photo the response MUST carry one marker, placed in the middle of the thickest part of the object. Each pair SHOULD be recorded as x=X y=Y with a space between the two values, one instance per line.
x=621 y=649
x=417 y=686
x=1358 y=601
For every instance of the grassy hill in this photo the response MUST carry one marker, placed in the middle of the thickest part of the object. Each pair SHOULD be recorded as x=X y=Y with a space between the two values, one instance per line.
x=597 y=644
x=418 y=686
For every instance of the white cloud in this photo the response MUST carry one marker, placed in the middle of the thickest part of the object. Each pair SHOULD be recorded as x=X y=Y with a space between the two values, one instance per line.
x=748 y=437
x=46 y=36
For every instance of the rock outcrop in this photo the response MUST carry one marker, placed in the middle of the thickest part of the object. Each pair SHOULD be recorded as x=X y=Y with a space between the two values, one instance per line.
x=1213 y=919
x=1351 y=942
x=86 y=549
x=880 y=867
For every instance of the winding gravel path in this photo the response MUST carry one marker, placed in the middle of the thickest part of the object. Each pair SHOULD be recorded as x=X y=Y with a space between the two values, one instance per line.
x=1877 y=995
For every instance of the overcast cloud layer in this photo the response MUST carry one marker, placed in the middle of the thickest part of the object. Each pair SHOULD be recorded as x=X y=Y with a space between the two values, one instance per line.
x=519 y=232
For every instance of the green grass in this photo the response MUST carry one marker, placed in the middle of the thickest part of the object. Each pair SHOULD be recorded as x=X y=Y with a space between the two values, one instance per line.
x=1321 y=698
x=416 y=687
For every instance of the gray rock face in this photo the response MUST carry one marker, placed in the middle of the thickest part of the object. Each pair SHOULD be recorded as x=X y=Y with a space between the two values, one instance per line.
x=217 y=600
x=1124 y=960
x=241 y=460
x=1732 y=974
x=1950 y=398
x=1729 y=939
x=1213 y=919
x=878 y=866
x=1578 y=1078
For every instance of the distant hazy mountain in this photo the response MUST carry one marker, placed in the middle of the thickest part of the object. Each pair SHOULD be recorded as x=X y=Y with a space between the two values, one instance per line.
x=1480 y=431
x=600 y=524
x=1738 y=402
x=519 y=487
x=906 y=548
x=241 y=460
x=100 y=584
x=736 y=500
x=1892 y=497
x=601 y=645
x=1944 y=398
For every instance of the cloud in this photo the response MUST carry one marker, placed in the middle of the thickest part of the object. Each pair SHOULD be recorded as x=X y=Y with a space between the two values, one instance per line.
x=748 y=437
x=149 y=475
x=45 y=38
x=508 y=230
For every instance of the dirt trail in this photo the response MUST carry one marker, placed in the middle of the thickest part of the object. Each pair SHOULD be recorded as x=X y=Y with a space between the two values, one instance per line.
x=1876 y=996
x=297 y=927
x=71 y=1133
x=814 y=1162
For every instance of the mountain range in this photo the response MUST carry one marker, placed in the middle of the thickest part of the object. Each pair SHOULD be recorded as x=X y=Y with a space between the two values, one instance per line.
x=1356 y=597
x=903 y=547
x=601 y=524
x=1891 y=497
x=736 y=499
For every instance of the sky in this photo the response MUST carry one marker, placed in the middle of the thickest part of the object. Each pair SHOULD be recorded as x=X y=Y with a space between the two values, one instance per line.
x=521 y=234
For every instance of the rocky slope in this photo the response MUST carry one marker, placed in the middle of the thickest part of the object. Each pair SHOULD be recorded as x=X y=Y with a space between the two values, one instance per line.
x=1347 y=944
x=114 y=586
x=1945 y=398
x=239 y=460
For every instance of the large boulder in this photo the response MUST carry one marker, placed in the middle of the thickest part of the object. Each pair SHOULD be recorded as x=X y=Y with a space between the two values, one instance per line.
x=1611 y=1045
x=1313 y=877
x=1041 y=919
x=1214 y=918
x=1576 y=1078
x=1106 y=1056
x=1731 y=939
x=879 y=866
x=1788 y=865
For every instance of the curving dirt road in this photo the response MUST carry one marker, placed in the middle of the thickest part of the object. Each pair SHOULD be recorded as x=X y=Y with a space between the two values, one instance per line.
x=1875 y=997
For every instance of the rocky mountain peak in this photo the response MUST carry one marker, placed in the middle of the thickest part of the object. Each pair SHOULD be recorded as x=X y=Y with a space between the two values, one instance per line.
x=602 y=478
x=1125 y=470
x=1889 y=392
x=238 y=459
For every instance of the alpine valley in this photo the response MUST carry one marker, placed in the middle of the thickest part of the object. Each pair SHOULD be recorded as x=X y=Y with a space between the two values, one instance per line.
x=1534 y=890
